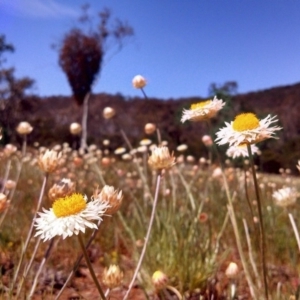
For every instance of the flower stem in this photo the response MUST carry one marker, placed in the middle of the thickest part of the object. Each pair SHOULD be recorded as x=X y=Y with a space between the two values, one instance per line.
x=30 y=232
x=42 y=264
x=27 y=268
x=85 y=254
x=295 y=229
x=144 y=94
x=77 y=263
x=146 y=238
x=261 y=224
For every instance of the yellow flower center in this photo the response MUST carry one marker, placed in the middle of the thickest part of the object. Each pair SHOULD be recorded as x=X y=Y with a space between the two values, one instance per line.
x=69 y=205
x=246 y=121
x=200 y=104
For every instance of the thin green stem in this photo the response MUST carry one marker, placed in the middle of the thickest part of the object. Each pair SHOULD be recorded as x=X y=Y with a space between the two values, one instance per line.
x=5 y=177
x=24 y=145
x=146 y=238
x=251 y=258
x=261 y=224
x=27 y=268
x=77 y=263
x=188 y=189
x=295 y=229
x=42 y=264
x=88 y=262
x=30 y=232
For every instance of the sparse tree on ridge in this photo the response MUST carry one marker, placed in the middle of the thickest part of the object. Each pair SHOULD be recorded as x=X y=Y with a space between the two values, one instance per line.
x=81 y=55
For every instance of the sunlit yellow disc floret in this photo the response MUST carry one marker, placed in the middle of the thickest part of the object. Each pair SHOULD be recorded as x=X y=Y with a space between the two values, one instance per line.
x=200 y=104
x=246 y=121
x=69 y=205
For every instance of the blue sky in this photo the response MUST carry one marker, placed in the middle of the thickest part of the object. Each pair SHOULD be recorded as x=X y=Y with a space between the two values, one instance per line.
x=180 y=46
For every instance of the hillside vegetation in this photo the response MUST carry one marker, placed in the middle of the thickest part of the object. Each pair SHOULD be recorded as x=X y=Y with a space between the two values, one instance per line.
x=51 y=117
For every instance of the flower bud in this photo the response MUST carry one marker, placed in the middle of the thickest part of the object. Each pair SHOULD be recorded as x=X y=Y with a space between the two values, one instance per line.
x=106 y=161
x=120 y=150
x=9 y=150
x=150 y=128
x=232 y=270
x=159 y=280
x=139 y=82
x=108 y=112
x=75 y=128
x=10 y=184
x=182 y=148
x=24 y=128
x=207 y=140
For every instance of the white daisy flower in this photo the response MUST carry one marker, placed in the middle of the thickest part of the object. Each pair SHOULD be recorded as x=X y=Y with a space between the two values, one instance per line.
x=241 y=150
x=285 y=196
x=203 y=110
x=247 y=129
x=68 y=216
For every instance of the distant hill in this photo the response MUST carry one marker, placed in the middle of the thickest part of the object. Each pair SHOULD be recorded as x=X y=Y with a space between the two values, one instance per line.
x=51 y=117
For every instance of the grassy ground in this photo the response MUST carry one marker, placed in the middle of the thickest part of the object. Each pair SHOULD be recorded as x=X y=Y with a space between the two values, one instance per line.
x=192 y=239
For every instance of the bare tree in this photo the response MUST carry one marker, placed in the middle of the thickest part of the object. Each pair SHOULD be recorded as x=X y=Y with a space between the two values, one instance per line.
x=12 y=91
x=82 y=52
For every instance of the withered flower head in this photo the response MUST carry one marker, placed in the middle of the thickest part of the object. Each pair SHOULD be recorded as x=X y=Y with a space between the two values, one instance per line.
x=24 y=128
x=111 y=196
x=161 y=158
x=63 y=188
x=113 y=276
x=50 y=161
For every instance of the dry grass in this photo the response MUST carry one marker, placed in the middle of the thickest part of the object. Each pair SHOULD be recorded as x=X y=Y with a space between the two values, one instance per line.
x=192 y=250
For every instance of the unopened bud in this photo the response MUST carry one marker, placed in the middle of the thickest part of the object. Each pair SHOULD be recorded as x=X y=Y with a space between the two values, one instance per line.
x=150 y=128
x=159 y=280
x=24 y=128
x=75 y=128
x=108 y=112
x=207 y=140
x=232 y=270
x=139 y=82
